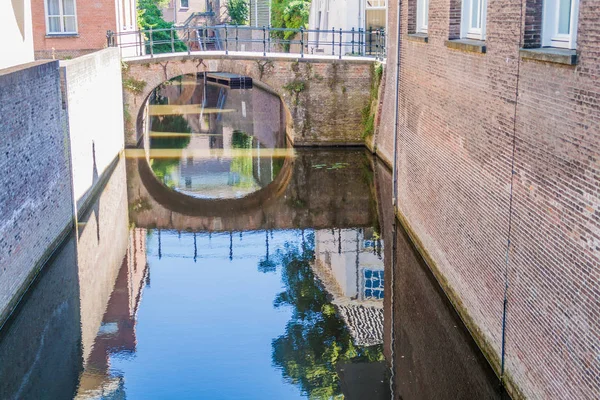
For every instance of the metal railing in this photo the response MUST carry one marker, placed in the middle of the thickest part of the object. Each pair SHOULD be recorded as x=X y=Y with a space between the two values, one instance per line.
x=234 y=38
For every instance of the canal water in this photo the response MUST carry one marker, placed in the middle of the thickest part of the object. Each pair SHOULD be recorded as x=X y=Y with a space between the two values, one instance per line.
x=219 y=263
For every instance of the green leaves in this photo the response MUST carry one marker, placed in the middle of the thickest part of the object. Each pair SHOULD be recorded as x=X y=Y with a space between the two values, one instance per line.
x=238 y=11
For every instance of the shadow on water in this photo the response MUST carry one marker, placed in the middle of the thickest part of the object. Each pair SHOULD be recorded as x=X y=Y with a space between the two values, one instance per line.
x=315 y=293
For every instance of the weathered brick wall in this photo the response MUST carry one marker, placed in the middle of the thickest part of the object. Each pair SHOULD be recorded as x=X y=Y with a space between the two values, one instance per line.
x=94 y=18
x=36 y=205
x=313 y=91
x=93 y=94
x=457 y=114
x=383 y=141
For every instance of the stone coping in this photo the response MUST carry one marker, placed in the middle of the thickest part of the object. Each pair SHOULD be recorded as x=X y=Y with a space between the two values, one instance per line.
x=473 y=46
x=418 y=37
x=247 y=55
x=550 y=54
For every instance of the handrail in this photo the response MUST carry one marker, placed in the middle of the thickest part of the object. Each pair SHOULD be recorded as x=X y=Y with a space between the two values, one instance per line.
x=176 y=39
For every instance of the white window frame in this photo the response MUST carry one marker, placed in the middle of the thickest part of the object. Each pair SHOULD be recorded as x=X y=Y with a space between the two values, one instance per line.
x=550 y=35
x=466 y=30
x=182 y=7
x=422 y=15
x=62 y=20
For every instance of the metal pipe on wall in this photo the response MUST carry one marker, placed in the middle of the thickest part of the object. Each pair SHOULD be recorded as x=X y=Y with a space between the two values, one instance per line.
x=396 y=104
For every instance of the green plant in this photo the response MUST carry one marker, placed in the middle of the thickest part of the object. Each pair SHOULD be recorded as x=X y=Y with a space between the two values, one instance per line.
x=150 y=17
x=289 y=14
x=135 y=86
x=238 y=11
x=296 y=86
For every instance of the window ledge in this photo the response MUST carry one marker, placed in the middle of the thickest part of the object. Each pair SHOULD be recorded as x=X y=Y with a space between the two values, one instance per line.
x=550 y=54
x=470 y=45
x=418 y=37
x=61 y=35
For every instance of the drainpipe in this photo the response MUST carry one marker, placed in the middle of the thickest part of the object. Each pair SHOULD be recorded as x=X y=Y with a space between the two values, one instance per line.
x=396 y=103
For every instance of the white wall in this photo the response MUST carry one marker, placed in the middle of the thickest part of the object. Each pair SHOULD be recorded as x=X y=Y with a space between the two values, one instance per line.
x=94 y=97
x=343 y=14
x=16 y=32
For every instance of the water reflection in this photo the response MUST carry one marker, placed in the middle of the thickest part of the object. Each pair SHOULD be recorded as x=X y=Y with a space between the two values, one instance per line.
x=293 y=300
x=195 y=116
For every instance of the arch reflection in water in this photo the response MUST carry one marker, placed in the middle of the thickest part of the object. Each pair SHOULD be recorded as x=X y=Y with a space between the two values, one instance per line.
x=210 y=141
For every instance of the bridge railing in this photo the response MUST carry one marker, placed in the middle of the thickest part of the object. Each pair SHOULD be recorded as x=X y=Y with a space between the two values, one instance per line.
x=234 y=38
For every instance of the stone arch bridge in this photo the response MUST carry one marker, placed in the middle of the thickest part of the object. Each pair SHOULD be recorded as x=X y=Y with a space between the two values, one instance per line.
x=323 y=96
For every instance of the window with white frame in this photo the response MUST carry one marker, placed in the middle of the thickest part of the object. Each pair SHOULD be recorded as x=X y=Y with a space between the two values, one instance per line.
x=185 y=3
x=472 y=24
x=60 y=16
x=560 y=23
x=422 y=15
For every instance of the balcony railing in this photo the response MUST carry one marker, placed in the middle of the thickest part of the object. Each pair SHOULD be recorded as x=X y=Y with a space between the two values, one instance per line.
x=265 y=40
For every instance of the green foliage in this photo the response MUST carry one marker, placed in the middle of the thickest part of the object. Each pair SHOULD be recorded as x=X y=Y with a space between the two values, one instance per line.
x=315 y=338
x=150 y=16
x=296 y=86
x=238 y=11
x=368 y=121
x=289 y=14
x=368 y=113
x=164 y=167
x=133 y=85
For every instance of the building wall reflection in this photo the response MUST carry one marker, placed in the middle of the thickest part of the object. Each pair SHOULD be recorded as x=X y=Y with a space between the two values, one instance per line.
x=349 y=263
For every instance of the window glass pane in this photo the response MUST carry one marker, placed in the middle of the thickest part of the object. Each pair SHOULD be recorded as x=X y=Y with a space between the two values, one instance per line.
x=54 y=24
x=69 y=7
x=184 y=3
x=70 y=24
x=475 y=20
x=564 y=17
x=53 y=8
x=375 y=19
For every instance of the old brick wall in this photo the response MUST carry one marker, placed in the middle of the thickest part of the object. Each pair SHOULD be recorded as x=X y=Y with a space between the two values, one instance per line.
x=36 y=205
x=313 y=91
x=383 y=141
x=94 y=97
x=94 y=18
x=455 y=141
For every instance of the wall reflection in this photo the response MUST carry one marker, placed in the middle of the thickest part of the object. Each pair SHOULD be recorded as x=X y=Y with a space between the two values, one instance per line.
x=335 y=305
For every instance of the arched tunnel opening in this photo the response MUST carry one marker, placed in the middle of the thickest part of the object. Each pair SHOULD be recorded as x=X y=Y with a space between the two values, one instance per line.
x=214 y=138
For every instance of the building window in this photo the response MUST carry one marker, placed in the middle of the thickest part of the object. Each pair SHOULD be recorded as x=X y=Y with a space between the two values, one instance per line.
x=560 y=23
x=422 y=15
x=473 y=17
x=61 y=16
x=185 y=3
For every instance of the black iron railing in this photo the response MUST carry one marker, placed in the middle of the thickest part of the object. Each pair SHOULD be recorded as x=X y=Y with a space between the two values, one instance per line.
x=263 y=40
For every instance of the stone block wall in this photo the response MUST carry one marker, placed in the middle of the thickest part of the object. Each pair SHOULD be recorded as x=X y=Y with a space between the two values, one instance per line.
x=465 y=119
x=94 y=99
x=36 y=206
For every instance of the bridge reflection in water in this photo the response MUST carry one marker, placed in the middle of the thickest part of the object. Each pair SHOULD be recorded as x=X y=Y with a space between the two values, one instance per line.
x=303 y=286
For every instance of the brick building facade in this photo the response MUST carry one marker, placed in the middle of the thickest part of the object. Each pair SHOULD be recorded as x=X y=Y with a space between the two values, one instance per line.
x=498 y=176
x=71 y=28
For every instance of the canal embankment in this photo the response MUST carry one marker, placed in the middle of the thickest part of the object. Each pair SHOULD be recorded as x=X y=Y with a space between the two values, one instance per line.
x=61 y=133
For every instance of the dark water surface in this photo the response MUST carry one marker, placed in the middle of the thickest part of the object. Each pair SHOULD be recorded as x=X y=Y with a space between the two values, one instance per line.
x=269 y=280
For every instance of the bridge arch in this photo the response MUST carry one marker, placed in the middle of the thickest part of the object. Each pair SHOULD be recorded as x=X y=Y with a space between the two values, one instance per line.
x=323 y=97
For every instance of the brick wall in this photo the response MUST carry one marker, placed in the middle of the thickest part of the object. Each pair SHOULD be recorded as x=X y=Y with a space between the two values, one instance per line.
x=94 y=98
x=36 y=203
x=457 y=114
x=94 y=18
